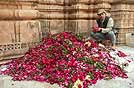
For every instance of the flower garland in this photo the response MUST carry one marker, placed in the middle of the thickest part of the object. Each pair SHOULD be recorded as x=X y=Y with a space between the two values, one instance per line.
x=66 y=60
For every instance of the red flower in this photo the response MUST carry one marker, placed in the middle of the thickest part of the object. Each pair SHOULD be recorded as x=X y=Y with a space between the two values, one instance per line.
x=79 y=86
x=63 y=59
x=121 y=54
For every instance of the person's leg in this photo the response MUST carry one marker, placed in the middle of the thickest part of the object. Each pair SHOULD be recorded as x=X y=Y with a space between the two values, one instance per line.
x=98 y=36
x=111 y=36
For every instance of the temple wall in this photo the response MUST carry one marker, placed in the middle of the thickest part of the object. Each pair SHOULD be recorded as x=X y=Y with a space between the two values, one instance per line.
x=23 y=23
x=123 y=14
x=19 y=27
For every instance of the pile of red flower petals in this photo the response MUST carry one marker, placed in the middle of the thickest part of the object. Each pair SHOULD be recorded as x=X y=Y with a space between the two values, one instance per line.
x=62 y=59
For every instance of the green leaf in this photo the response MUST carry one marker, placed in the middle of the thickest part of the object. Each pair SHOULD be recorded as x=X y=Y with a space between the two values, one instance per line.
x=86 y=60
x=61 y=79
x=64 y=50
x=89 y=61
x=99 y=65
x=47 y=76
x=70 y=86
x=78 y=49
x=91 y=75
x=50 y=48
x=40 y=66
x=79 y=36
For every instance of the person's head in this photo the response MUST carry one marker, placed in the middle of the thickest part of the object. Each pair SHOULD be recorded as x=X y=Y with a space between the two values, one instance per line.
x=101 y=13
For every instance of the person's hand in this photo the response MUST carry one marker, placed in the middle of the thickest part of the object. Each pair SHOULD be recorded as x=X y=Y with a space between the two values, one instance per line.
x=97 y=29
x=100 y=29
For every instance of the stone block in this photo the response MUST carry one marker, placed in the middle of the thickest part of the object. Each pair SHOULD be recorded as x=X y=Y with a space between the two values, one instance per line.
x=82 y=15
x=49 y=7
x=18 y=14
x=52 y=15
x=53 y=26
x=56 y=26
x=19 y=31
x=52 y=1
x=103 y=5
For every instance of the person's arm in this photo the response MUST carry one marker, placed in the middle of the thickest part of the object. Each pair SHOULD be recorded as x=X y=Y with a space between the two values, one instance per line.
x=109 y=27
x=95 y=27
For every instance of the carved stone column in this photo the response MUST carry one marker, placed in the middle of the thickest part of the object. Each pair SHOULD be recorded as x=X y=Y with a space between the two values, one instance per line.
x=81 y=15
x=51 y=14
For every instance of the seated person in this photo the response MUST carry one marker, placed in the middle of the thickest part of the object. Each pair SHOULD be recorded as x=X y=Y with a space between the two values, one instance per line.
x=102 y=28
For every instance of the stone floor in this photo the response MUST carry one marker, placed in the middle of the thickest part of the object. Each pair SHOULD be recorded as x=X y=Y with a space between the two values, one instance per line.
x=6 y=82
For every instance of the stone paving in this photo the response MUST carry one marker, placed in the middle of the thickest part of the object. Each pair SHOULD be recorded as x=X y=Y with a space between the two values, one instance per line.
x=7 y=82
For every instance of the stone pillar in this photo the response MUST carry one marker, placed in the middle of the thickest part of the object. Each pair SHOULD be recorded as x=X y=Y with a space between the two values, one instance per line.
x=51 y=14
x=123 y=14
x=19 y=28
x=81 y=16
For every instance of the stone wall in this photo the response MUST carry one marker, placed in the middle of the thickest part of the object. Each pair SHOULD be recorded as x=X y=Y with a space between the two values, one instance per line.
x=123 y=14
x=69 y=15
x=19 y=27
x=24 y=22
